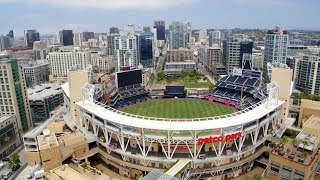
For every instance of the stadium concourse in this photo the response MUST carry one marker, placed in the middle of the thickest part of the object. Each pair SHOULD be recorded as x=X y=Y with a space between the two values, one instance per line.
x=218 y=146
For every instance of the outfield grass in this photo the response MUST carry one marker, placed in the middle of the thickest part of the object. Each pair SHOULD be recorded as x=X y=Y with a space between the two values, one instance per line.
x=196 y=84
x=178 y=108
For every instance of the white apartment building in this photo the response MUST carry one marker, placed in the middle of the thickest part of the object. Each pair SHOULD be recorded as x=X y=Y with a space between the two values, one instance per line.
x=215 y=38
x=203 y=35
x=233 y=53
x=77 y=39
x=276 y=47
x=307 y=73
x=61 y=62
x=179 y=34
x=126 y=52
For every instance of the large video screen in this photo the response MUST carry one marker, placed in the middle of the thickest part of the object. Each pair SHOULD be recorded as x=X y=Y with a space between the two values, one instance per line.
x=128 y=78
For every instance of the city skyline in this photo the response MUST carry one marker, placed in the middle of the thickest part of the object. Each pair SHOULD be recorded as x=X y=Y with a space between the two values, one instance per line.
x=48 y=17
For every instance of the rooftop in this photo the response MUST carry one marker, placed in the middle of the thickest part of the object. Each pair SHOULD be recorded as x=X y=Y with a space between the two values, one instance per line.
x=42 y=91
x=47 y=141
x=183 y=62
x=295 y=154
x=33 y=64
x=66 y=172
x=65 y=88
x=4 y=118
x=234 y=119
x=61 y=113
x=313 y=122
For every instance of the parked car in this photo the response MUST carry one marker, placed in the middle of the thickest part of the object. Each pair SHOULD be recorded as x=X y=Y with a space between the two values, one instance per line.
x=1 y=165
x=39 y=174
x=5 y=159
x=7 y=175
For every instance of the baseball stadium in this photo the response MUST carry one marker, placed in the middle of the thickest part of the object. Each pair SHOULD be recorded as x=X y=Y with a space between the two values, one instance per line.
x=218 y=135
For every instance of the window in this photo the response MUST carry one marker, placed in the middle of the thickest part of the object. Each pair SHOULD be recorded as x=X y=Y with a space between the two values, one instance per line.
x=286 y=172
x=298 y=175
x=274 y=168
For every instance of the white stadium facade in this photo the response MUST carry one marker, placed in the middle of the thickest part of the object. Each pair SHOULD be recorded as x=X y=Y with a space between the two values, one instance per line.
x=216 y=147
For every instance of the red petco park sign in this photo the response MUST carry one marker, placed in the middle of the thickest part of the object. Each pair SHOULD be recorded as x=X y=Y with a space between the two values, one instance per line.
x=219 y=138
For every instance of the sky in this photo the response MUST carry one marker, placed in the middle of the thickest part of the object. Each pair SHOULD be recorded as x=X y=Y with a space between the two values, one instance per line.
x=50 y=16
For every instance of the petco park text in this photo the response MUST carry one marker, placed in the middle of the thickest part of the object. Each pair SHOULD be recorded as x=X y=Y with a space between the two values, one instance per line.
x=219 y=138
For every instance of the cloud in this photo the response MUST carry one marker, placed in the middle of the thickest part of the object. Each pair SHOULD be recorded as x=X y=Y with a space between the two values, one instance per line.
x=108 y=4
x=270 y=2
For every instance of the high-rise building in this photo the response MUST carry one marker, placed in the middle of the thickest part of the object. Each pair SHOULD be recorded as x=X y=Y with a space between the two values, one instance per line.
x=43 y=99
x=146 y=49
x=30 y=36
x=114 y=30
x=146 y=29
x=11 y=36
x=13 y=95
x=40 y=50
x=61 y=62
x=276 y=46
x=87 y=35
x=161 y=29
x=180 y=55
x=77 y=41
x=130 y=30
x=36 y=72
x=189 y=31
x=126 y=52
x=214 y=56
x=66 y=37
x=4 y=42
x=202 y=35
x=246 y=55
x=214 y=60
x=178 y=35
x=203 y=54
x=232 y=50
x=102 y=63
x=110 y=43
x=215 y=38
x=307 y=73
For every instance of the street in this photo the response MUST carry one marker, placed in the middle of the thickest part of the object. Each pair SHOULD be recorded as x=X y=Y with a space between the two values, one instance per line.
x=159 y=65
x=22 y=164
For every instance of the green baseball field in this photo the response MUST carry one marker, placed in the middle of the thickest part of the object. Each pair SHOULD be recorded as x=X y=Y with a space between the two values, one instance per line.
x=178 y=108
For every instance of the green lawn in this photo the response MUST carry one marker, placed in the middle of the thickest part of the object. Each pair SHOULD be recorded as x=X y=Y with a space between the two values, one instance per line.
x=178 y=108
x=196 y=84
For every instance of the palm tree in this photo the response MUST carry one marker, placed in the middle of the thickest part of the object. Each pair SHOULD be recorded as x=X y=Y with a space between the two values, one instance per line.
x=295 y=143
x=305 y=144
x=284 y=140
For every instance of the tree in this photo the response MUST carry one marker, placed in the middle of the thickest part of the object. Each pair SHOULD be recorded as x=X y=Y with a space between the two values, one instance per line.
x=160 y=76
x=84 y=165
x=14 y=161
x=294 y=143
x=257 y=177
x=266 y=80
x=305 y=143
x=284 y=140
